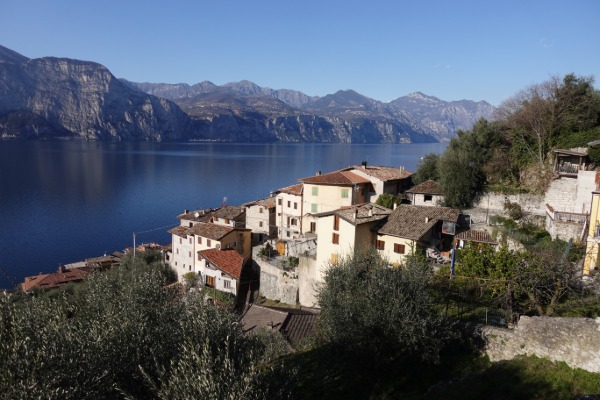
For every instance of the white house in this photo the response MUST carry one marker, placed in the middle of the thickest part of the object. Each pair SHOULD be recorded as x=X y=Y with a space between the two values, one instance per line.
x=392 y=180
x=288 y=218
x=428 y=193
x=260 y=218
x=221 y=269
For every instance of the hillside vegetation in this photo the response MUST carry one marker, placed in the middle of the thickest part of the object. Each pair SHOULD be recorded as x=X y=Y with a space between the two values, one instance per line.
x=514 y=152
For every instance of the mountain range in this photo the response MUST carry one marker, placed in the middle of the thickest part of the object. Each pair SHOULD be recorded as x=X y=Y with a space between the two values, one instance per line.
x=58 y=97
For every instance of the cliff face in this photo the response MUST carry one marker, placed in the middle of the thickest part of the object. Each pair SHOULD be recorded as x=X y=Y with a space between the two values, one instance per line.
x=55 y=97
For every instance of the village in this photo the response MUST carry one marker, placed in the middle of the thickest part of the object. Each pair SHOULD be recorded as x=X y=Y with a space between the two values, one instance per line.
x=279 y=247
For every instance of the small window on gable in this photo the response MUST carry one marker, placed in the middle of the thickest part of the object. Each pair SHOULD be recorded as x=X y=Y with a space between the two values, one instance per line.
x=427 y=197
x=260 y=210
x=399 y=248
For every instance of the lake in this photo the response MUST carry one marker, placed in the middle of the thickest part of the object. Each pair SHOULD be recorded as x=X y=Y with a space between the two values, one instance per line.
x=64 y=201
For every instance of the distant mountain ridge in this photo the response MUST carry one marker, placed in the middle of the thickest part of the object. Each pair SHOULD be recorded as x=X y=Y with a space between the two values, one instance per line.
x=58 y=97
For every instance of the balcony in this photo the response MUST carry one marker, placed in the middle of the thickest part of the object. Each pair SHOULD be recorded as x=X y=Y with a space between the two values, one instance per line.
x=567 y=217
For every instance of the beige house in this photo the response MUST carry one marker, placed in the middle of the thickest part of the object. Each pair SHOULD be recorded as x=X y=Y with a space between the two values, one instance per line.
x=190 y=219
x=288 y=212
x=412 y=227
x=428 y=193
x=234 y=216
x=328 y=192
x=392 y=180
x=260 y=218
x=592 y=253
x=343 y=231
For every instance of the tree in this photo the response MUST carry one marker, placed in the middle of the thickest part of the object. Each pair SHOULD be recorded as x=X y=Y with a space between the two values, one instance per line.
x=427 y=169
x=388 y=200
x=370 y=307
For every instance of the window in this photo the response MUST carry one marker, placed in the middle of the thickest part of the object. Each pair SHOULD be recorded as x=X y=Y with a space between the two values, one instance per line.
x=315 y=190
x=313 y=227
x=288 y=233
x=180 y=241
x=334 y=258
x=314 y=208
x=191 y=240
x=189 y=253
x=279 y=202
x=199 y=257
x=190 y=225
x=336 y=238
x=233 y=245
x=288 y=221
x=295 y=205
x=199 y=240
x=190 y=268
x=344 y=193
x=427 y=197
x=336 y=223
x=226 y=221
x=177 y=251
x=294 y=221
x=289 y=204
x=208 y=243
x=260 y=224
x=210 y=281
x=380 y=245
x=226 y=283
x=399 y=248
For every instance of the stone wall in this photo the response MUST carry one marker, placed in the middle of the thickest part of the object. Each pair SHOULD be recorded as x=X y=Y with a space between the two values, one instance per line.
x=561 y=194
x=276 y=284
x=308 y=286
x=576 y=341
x=564 y=230
x=530 y=203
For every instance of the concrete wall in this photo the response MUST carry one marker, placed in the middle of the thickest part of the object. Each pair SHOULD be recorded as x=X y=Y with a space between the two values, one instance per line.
x=276 y=284
x=564 y=230
x=308 y=286
x=561 y=195
x=576 y=341
x=586 y=184
x=530 y=203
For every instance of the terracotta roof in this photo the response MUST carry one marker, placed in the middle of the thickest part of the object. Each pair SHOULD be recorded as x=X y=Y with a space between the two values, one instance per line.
x=229 y=212
x=181 y=231
x=476 y=236
x=57 y=279
x=294 y=189
x=210 y=231
x=413 y=222
x=227 y=260
x=363 y=212
x=427 y=187
x=341 y=178
x=269 y=202
x=382 y=173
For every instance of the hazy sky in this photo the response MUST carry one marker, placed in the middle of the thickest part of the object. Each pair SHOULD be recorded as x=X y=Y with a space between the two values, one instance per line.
x=477 y=50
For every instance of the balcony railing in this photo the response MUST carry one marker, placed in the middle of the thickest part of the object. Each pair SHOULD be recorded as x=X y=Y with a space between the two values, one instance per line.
x=562 y=216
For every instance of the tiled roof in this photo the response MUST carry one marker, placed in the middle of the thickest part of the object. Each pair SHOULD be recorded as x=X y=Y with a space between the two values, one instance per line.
x=57 y=279
x=476 y=236
x=366 y=212
x=382 y=173
x=294 y=189
x=427 y=187
x=181 y=231
x=412 y=222
x=342 y=178
x=293 y=324
x=227 y=260
x=197 y=215
x=269 y=202
x=229 y=212
x=210 y=231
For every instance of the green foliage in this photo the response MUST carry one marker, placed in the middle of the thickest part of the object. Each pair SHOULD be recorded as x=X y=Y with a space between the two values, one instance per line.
x=386 y=312
x=388 y=200
x=190 y=278
x=120 y=333
x=513 y=210
x=267 y=251
x=293 y=261
x=427 y=169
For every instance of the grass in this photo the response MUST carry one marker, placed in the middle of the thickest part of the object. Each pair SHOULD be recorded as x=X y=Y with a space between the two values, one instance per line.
x=335 y=373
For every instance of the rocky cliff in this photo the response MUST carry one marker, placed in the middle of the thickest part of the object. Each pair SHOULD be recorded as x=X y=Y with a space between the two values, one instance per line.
x=57 y=97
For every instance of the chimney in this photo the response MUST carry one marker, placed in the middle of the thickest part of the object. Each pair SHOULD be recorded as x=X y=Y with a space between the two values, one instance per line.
x=371 y=212
x=401 y=169
x=355 y=214
x=395 y=205
x=426 y=220
x=318 y=172
x=364 y=165
x=185 y=211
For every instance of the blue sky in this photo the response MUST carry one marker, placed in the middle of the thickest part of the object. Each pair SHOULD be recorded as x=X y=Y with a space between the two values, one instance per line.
x=477 y=50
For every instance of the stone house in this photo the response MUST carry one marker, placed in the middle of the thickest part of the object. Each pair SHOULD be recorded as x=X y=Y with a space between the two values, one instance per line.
x=260 y=218
x=392 y=180
x=428 y=193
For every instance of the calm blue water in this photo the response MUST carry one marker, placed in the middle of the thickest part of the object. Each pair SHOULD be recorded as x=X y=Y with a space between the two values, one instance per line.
x=65 y=201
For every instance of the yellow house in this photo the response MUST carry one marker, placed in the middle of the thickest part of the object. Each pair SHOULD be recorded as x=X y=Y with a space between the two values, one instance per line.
x=411 y=227
x=341 y=232
x=329 y=192
x=592 y=253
